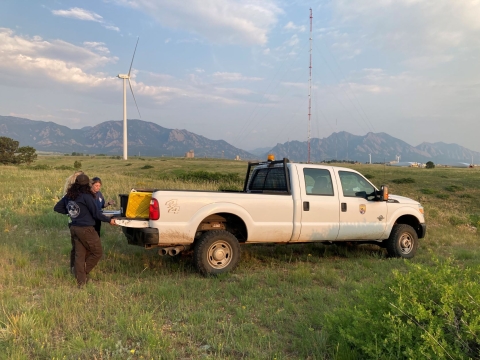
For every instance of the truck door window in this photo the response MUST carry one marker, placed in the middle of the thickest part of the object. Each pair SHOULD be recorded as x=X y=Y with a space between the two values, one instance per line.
x=354 y=185
x=271 y=179
x=318 y=182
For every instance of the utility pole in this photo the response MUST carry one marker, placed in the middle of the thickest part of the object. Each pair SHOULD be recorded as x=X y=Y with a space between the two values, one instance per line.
x=310 y=88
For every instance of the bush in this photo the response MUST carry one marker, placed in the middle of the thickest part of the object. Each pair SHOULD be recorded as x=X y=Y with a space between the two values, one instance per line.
x=430 y=165
x=454 y=188
x=442 y=196
x=147 y=167
x=77 y=164
x=63 y=167
x=403 y=181
x=39 y=167
x=205 y=176
x=427 y=191
x=430 y=312
x=474 y=220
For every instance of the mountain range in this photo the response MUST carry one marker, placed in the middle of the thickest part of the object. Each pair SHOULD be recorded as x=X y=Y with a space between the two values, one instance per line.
x=149 y=139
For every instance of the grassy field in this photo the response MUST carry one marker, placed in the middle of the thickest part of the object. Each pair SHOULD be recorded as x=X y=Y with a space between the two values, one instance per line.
x=142 y=306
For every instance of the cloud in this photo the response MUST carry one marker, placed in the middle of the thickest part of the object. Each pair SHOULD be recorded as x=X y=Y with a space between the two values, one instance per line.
x=415 y=29
x=227 y=76
x=246 y=22
x=32 y=62
x=79 y=14
x=291 y=26
x=84 y=15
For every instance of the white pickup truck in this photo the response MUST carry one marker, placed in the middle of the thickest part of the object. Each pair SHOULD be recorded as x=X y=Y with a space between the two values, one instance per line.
x=281 y=203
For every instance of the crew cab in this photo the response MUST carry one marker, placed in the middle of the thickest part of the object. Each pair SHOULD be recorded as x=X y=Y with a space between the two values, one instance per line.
x=282 y=203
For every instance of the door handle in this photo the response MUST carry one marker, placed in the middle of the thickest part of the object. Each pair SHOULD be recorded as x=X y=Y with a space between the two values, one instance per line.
x=344 y=207
x=306 y=206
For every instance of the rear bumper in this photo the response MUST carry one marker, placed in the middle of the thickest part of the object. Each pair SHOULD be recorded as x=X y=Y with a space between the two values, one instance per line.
x=422 y=229
x=141 y=236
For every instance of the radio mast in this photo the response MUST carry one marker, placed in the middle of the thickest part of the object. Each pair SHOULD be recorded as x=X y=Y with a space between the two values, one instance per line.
x=310 y=88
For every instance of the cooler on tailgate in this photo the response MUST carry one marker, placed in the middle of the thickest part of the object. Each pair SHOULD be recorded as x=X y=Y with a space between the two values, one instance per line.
x=138 y=205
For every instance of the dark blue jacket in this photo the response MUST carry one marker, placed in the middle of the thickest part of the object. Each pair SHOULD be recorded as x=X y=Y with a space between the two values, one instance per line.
x=82 y=211
x=100 y=200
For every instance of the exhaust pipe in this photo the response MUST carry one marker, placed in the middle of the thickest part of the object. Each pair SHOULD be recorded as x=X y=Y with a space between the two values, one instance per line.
x=175 y=250
x=163 y=251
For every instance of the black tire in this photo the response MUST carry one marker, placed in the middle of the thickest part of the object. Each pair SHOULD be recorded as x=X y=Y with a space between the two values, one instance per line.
x=403 y=242
x=216 y=252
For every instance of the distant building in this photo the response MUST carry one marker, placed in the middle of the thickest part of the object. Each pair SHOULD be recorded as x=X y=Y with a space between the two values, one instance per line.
x=237 y=157
x=190 y=154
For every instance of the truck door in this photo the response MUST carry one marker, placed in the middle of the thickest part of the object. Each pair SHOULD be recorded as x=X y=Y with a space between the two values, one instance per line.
x=359 y=218
x=320 y=205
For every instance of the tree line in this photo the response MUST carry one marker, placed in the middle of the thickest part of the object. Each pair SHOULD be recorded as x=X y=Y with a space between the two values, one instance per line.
x=11 y=153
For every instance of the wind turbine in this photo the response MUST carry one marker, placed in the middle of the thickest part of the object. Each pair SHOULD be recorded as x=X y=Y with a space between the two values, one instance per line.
x=126 y=77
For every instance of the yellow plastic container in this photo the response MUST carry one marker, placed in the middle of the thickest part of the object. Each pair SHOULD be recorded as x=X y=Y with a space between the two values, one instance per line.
x=138 y=204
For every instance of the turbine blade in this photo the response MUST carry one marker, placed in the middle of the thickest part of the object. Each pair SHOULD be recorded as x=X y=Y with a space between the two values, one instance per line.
x=131 y=89
x=133 y=57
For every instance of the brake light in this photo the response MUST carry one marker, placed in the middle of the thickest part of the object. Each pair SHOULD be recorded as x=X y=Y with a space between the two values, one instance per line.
x=154 y=211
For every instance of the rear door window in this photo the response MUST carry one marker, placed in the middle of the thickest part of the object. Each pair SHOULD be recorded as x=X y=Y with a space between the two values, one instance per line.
x=318 y=182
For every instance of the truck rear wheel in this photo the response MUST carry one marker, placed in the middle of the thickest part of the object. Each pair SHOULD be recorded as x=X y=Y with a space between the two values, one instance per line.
x=216 y=252
x=403 y=242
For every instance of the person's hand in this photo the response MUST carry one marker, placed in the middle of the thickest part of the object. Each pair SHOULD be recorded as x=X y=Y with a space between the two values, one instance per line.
x=110 y=202
x=112 y=221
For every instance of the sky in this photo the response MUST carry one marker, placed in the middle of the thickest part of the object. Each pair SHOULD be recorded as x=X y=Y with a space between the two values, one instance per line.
x=239 y=70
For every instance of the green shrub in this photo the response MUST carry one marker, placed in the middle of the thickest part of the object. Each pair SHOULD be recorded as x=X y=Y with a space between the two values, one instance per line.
x=429 y=312
x=77 y=164
x=63 y=167
x=465 y=196
x=442 y=196
x=474 y=220
x=39 y=167
x=427 y=191
x=408 y=180
x=369 y=176
x=205 y=176
x=129 y=164
x=454 y=188
x=146 y=167
x=455 y=220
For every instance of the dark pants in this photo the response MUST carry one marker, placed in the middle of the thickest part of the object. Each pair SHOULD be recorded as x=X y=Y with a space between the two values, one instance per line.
x=98 y=226
x=72 y=252
x=88 y=251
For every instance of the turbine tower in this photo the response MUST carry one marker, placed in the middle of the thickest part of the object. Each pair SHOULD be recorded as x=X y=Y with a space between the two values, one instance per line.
x=126 y=77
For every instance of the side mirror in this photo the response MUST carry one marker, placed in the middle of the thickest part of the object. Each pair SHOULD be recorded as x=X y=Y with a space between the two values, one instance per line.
x=384 y=193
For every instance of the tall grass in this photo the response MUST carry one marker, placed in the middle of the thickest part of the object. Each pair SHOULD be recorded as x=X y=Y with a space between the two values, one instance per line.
x=275 y=305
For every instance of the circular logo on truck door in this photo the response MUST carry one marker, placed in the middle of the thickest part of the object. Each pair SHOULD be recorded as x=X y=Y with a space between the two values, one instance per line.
x=363 y=209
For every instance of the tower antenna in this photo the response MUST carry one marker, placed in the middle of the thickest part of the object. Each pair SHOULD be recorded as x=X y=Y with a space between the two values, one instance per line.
x=310 y=88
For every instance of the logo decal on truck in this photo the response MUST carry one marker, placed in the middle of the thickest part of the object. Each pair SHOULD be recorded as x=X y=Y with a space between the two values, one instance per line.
x=363 y=209
x=173 y=206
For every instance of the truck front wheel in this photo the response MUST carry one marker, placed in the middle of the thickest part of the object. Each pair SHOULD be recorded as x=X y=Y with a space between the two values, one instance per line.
x=403 y=242
x=216 y=252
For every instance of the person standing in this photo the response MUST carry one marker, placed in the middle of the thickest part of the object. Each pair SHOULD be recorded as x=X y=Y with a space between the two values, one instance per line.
x=99 y=200
x=68 y=183
x=79 y=204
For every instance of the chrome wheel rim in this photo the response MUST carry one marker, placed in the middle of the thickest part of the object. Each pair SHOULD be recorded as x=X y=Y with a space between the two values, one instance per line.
x=219 y=254
x=406 y=243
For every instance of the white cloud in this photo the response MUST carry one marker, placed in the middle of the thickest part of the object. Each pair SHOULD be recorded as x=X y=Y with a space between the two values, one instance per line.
x=414 y=28
x=34 y=62
x=85 y=15
x=221 y=21
x=291 y=26
x=79 y=14
x=228 y=76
